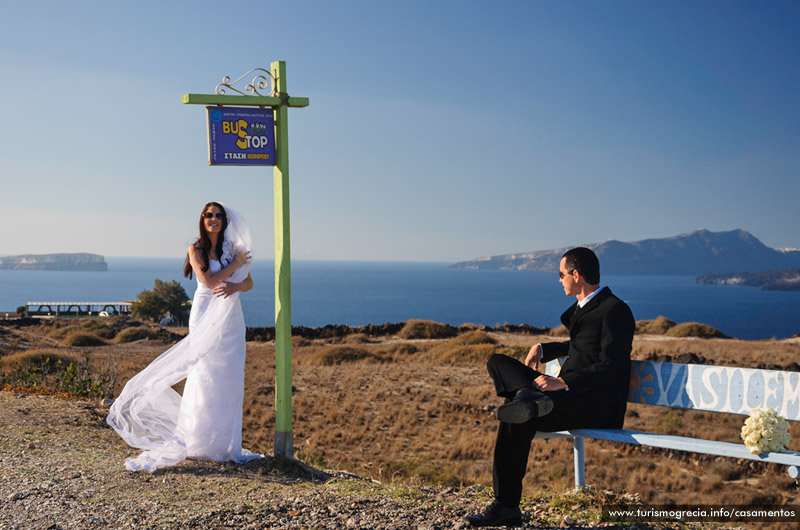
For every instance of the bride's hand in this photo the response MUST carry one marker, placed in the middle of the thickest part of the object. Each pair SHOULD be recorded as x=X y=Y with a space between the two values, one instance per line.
x=226 y=289
x=242 y=258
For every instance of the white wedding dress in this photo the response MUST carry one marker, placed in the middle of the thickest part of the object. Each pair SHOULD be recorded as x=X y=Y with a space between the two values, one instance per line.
x=206 y=422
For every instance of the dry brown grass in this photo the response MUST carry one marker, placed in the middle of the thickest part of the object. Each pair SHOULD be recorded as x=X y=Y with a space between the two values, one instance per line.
x=135 y=333
x=470 y=347
x=474 y=337
x=398 y=350
x=101 y=328
x=458 y=353
x=694 y=329
x=426 y=329
x=663 y=326
x=658 y=326
x=83 y=339
x=418 y=419
x=96 y=327
x=413 y=417
x=473 y=346
x=780 y=354
x=61 y=332
x=36 y=357
x=334 y=355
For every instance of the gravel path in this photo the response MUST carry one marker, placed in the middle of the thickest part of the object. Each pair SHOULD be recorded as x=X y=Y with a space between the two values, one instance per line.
x=61 y=468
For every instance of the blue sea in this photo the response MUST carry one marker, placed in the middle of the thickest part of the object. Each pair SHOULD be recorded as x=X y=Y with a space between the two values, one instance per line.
x=359 y=293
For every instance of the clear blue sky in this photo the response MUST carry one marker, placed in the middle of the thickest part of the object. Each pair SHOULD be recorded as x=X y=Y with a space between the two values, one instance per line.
x=437 y=130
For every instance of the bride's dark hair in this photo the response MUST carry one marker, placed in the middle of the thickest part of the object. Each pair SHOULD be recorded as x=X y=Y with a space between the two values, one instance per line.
x=204 y=242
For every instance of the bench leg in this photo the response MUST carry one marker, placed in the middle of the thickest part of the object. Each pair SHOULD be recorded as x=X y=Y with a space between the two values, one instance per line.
x=580 y=469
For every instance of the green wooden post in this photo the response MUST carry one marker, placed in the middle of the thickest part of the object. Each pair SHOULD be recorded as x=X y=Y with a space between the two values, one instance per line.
x=284 y=444
x=280 y=102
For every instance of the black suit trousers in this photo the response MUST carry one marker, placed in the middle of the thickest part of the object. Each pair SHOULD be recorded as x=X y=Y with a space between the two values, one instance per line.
x=514 y=440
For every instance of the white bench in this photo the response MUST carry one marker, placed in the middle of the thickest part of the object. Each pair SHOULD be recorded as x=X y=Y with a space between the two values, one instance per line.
x=699 y=387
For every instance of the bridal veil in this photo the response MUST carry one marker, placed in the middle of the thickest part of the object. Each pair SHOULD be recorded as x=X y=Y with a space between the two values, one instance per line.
x=206 y=421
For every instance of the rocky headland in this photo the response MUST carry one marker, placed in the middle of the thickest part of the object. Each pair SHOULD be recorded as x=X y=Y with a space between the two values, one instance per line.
x=80 y=261
x=782 y=280
x=693 y=253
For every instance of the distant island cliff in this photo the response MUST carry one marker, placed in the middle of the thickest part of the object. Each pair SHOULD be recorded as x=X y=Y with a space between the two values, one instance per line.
x=693 y=253
x=81 y=261
x=783 y=280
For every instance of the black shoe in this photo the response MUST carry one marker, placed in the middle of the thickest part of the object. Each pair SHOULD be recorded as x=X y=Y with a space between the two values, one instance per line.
x=526 y=405
x=497 y=514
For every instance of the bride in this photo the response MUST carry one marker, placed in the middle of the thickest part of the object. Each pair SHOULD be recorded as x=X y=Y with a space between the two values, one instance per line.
x=206 y=422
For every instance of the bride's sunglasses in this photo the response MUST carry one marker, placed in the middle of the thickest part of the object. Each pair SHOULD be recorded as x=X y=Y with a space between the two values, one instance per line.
x=218 y=215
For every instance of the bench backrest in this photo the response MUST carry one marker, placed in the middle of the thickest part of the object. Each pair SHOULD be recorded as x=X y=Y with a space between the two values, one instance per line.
x=712 y=388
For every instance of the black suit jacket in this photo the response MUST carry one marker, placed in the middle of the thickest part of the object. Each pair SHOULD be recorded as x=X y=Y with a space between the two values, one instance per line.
x=598 y=365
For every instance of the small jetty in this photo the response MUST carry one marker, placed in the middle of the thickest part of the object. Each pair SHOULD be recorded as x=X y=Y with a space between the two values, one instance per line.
x=61 y=309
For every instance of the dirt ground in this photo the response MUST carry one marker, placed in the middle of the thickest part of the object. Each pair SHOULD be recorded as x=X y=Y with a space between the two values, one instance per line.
x=399 y=415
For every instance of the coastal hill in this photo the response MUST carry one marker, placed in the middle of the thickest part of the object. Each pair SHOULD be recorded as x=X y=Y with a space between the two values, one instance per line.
x=693 y=253
x=80 y=261
x=783 y=280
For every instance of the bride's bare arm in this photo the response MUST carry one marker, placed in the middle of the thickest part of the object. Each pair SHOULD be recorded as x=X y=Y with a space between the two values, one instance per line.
x=213 y=280
x=225 y=289
x=246 y=284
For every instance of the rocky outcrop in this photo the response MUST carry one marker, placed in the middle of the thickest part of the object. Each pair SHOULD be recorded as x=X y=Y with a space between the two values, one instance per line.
x=339 y=331
x=81 y=261
x=782 y=280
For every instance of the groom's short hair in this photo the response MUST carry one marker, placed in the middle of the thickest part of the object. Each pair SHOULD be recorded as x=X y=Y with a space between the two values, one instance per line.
x=584 y=261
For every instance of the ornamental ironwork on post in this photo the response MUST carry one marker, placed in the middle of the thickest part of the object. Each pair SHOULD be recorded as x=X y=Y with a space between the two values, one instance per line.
x=259 y=82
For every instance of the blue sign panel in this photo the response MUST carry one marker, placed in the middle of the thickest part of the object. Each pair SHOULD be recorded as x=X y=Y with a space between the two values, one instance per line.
x=240 y=136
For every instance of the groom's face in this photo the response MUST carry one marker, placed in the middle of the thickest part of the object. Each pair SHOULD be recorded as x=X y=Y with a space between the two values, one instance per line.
x=568 y=279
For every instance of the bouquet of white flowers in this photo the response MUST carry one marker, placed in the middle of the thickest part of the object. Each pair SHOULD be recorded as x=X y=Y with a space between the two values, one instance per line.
x=764 y=431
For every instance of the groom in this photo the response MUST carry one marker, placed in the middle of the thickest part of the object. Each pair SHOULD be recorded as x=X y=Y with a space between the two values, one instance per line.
x=590 y=392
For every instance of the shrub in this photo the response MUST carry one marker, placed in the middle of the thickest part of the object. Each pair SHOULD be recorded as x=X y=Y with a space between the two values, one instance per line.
x=39 y=357
x=517 y=352
x=517 y=329
x=426 y=329
x=300 y=342
x=101 y=329
x=334 y=355
x=399 y=349
x=61 y=333
x=357 y=338
x=49 y=372
x=82 y=338
x=461 y=353
x=123 y=322
x=659 y=326
x=473 y=337
x=134 y=334
x=560 y=331
x=695 y=329
x=473 y=346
